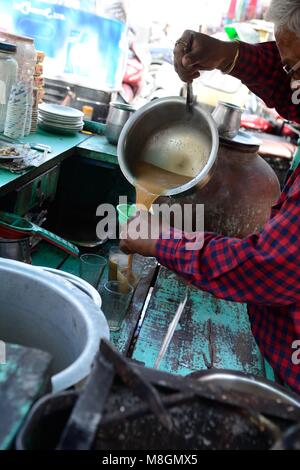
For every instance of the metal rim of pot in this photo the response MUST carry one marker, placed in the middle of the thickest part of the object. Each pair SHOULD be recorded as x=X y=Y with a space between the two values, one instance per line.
x=122 y=106
x=205 y=174
x=78 y=283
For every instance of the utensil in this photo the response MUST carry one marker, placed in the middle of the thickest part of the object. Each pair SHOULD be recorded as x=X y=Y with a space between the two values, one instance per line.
x=60 y=111
x=190 y=93
x=33 y=145
x=247 y=386
x=91 y=268
x=116 y=297
x=60 y=119
x=228 y=119
x=42 y=311
x=170 y=333
x=14 y=227
x=18 y=250
x=79 y=283
x=118 y=115
x=164 y=134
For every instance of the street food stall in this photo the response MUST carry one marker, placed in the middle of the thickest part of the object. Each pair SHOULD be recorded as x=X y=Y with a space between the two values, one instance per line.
x=213 y=335
x=101 y=350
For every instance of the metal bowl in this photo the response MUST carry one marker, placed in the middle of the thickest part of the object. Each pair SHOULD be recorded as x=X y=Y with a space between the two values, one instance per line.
x=165 y=128
x=250 y=386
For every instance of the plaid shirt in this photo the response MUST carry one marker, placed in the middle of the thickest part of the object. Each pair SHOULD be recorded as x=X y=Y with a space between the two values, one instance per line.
x=261 y=270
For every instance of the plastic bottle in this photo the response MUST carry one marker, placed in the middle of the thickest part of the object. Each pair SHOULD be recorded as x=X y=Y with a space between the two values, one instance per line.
x=26 y=76
x=8 y=77
x=16 y=111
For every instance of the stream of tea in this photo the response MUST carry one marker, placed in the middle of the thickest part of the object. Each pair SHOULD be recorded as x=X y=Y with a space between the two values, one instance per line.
x=171 y=158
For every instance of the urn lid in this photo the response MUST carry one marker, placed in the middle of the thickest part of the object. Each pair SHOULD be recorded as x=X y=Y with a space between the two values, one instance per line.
x=244 y=139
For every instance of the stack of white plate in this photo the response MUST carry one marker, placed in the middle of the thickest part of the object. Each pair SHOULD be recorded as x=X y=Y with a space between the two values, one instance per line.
x=60 y=119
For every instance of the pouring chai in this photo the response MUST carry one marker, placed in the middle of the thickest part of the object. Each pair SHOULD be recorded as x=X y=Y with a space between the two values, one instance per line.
x=165 y=167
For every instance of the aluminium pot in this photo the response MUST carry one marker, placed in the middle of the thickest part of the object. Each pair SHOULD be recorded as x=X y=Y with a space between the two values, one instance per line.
x=43 y=311
x=165 y=134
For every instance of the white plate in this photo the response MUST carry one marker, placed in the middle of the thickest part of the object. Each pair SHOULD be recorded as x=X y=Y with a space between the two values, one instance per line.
x=61 y=123
x=58 y=110
x=58 y=126
x=59 y=118
x=57 y=130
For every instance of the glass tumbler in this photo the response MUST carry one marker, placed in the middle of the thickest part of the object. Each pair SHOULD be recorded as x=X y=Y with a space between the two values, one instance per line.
x=116 y=298
x=91 y=268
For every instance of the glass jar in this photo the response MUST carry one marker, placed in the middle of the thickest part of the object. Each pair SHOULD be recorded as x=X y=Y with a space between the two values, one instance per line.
x=8 y=77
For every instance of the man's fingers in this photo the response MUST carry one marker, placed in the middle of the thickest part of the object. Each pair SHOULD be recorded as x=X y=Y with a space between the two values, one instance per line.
x=186 y=37
x=124 y=248
x=192 y=58
x=181 y=46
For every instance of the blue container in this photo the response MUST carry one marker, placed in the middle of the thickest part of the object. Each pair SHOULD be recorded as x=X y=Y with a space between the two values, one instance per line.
x=81 y=48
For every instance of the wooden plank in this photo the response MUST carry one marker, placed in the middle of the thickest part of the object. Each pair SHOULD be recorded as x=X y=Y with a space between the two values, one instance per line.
x=23 y=379
x=209 y=329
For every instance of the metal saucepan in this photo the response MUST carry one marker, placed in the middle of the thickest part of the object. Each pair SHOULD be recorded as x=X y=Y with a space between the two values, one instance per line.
x=18 y=250
x=164 y=134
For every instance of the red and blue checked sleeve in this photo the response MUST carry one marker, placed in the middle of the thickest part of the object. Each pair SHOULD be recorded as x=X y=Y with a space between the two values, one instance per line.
x=260 y=68
x=261 y=269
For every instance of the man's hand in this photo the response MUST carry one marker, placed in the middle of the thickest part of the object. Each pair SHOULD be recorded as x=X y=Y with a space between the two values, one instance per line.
x=145 y=225
x=207 y=53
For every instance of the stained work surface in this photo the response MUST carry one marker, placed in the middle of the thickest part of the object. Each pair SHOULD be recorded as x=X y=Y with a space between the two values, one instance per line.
x=98 y=148
x=50 y=256
x=23 y=379
x=212 y=333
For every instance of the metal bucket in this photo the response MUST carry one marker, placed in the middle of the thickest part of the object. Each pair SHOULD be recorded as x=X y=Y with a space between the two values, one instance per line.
x=162 y=132
x=42 y=311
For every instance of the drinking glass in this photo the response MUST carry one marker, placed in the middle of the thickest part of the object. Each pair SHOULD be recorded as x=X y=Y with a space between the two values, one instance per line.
x=91 y=268
x=116 y=297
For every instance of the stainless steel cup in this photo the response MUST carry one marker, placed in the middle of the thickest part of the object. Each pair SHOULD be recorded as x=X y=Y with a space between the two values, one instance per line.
x=118 y=115
x=227 y=116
